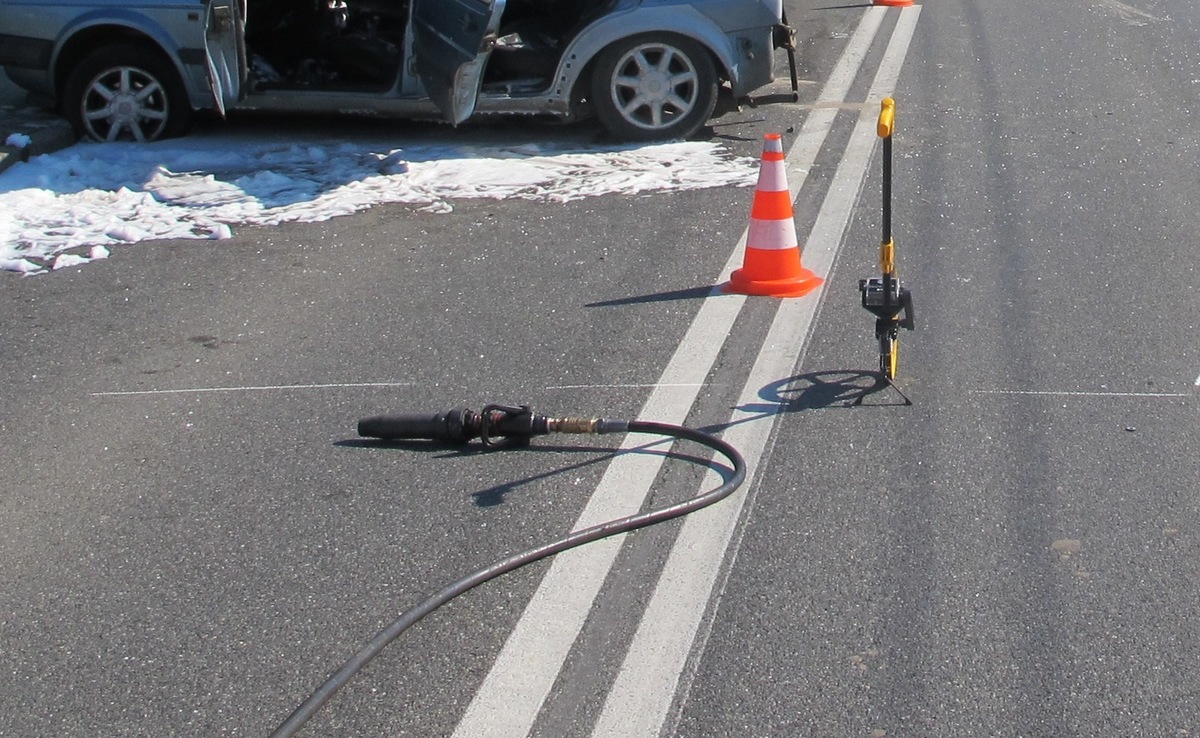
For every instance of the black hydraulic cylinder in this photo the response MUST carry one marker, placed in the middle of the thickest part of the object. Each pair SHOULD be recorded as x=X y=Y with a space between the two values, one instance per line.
x=453 y=425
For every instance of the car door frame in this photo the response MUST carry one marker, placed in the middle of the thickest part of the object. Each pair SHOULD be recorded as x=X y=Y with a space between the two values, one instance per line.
x=452 y=40
x=225 y=51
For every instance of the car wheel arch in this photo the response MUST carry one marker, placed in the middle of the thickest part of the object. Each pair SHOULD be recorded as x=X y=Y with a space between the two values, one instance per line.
x=636 y=102
x=86 y=40
x=581 y=86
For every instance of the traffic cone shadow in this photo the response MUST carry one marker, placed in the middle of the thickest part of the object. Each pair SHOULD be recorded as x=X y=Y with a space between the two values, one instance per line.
x=772 y=266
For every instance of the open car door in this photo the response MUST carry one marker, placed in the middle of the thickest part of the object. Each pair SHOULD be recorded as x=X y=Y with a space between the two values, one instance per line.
x=451 y=43
x=225 y=48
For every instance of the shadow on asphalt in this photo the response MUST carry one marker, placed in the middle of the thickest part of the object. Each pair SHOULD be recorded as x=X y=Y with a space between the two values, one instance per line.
x=493 y=496
x=689 y=293
x=830 y=389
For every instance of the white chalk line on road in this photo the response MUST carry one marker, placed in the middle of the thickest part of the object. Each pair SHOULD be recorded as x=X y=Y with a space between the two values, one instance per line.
x=260 y=388
x=514 y=690
x=639 y=703
x=1053 y=393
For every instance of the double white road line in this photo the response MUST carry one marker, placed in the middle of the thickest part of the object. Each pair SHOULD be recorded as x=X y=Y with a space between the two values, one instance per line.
x=513 y=693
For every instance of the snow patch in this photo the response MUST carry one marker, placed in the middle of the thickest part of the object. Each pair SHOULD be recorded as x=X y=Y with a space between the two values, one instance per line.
x=93 y=196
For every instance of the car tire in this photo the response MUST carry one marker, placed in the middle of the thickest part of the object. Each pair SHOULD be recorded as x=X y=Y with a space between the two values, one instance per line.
x=125 y=92
x=654 y=87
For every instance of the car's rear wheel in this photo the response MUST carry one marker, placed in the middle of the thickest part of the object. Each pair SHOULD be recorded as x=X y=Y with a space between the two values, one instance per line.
x=125 y=92
x=654 y=87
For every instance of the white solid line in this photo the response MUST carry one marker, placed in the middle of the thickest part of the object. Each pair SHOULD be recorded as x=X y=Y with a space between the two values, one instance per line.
x=263 y=388
x=513 y=691
x=1077 y=394
x=641 y=698
x=515 y=688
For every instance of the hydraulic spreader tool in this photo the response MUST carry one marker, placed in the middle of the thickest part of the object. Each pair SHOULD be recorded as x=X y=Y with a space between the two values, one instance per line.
x=500 y=427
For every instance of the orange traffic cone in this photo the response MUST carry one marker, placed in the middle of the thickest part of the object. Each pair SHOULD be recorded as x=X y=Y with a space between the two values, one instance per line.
x=894 y=3
x=772 y=263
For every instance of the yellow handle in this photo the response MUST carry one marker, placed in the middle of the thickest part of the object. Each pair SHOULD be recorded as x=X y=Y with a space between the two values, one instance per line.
x=887 y=117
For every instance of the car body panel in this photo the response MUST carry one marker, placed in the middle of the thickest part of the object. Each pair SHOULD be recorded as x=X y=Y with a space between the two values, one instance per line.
x=745 y=57
x=680 y=18
x=71 y=29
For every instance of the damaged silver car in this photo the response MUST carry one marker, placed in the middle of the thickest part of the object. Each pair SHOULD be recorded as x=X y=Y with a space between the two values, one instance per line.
x=647 y=69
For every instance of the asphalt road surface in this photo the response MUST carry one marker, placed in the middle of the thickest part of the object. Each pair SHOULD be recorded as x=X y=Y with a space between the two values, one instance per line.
x=194 y=538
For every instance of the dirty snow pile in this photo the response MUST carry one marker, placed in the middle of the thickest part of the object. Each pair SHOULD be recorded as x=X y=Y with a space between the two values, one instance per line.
x=68 y=208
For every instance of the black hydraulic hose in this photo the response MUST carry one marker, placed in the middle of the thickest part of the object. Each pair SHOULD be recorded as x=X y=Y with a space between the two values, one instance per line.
x=342 y=676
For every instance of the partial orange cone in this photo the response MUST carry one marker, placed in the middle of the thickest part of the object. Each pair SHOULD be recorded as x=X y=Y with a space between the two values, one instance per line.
x=772 y=265
x=894 y=3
